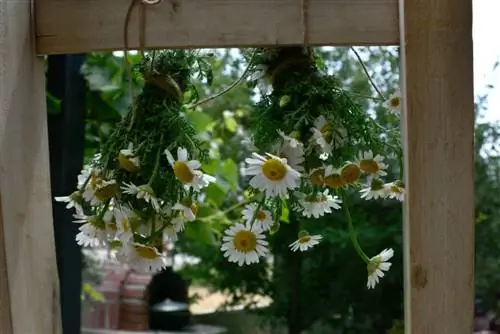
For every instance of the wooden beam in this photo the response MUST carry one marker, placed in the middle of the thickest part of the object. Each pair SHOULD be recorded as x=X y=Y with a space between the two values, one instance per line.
x=438 y=124
x=29 y=294
x=73 y=26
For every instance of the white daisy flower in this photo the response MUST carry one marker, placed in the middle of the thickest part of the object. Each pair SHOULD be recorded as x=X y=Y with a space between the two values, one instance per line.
x=371 y=165
x=187 y=171
x=73 y=201
x=272 y=175
x=378 y=264
x=289 y=139
x=83 y=177
x=188 y=207
x=142 y=258
x=305 y=242
x=123 y=217
x=375 y=190
x=322 y=134
x=294 y=155
x=143 y=191
x=169 y=233
x=128 y=160
x=93 y=231
x=393 y=103
x=395 y=190
x=318 y=204
x=244 y=244
x=263 y=218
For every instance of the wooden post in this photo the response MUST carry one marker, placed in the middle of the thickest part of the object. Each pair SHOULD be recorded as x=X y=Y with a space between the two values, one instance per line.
x=29 y=297
x=436 y=50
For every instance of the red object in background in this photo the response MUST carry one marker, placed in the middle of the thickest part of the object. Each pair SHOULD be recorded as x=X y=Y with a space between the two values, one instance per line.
x=125 y=307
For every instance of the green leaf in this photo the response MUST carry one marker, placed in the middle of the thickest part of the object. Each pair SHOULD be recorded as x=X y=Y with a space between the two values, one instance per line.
x=53 y=104
x=95 y=295
x=200 y=120
x=229 y=170
x=230 y=123
x=215 y=194
x=200 y=231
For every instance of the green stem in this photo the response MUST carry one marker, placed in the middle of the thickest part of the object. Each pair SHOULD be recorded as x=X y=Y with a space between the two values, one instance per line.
x=104 y=209
x=368 y=74
x=157 y=163
x=352 y=233
x=222 y=213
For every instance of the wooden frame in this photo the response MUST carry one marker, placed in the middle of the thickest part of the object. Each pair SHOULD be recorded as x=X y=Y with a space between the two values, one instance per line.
x=436 y=49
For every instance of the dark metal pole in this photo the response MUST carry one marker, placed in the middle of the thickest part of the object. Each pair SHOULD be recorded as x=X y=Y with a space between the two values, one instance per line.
x=66 y=144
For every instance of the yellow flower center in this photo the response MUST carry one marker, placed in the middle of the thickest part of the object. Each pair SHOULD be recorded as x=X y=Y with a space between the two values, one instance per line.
x=97 y=223
x=146 y=252
x=317 y=177
x=183 y=172
x=369 y=166
x=127 y=163
x=334 y=181
x=112 y=227
x=327 y=131
x=350 y=173
x=189 y=203
x=376 y=185
x=261 y=215
x=304 y=239
x=106 y=190
x=274 y=170
x=245 y=241
x=397 y=190
x=373 y=265
x=395 y=102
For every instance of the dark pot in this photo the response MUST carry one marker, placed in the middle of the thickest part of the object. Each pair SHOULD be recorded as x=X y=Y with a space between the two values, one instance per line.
x=169 y=316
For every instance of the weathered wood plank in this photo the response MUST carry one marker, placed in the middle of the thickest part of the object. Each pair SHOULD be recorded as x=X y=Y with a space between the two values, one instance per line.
x=29 y=298
x=72 y=26
x=439 y=131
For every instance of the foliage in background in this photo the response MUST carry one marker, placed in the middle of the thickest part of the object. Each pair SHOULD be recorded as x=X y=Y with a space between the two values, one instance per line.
x=332 y=293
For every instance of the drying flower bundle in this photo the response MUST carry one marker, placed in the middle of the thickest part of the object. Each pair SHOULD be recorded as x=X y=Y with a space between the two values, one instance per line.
x=138 y=193
x=313 y=145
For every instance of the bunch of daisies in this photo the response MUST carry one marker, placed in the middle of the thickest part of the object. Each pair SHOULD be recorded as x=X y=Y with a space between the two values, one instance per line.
x=313 y=145
x=140 y=192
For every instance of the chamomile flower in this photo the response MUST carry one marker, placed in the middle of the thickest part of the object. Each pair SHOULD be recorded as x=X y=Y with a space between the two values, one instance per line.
x=244 y=244
x=375 y=190
x=370 y=164
x=395 y=190
x=305 y=241
x=294 y=155
x=93 y=231
x=128 y=160
x=350 y=173
x=272 y=175
x=333 y=177
x=188 y=207
x=73 y=201
x=143 y=258
x=393 y=103
x=317 y=205
x=289 y=139
x=123 y=217
x=170 y=234
x=98 y=189
x=187 y=171
x=143 y=191
x=322 y=134
x=378 y=264
x=263 y=218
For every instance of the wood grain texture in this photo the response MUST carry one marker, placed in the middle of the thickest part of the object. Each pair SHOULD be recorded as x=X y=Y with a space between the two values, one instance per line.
x=29 y=294
x=439 y=134
x=72 y=26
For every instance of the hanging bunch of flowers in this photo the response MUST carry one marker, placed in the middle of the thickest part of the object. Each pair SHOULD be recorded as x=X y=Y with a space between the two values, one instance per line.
x=313 y=147
x=142 y=189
